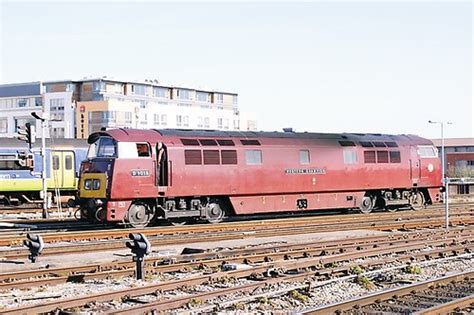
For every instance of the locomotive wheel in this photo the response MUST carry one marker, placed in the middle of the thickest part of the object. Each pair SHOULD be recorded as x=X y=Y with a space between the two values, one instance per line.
x=214 y=212
x=139 y=215
x=417 y=201
x=366 y=205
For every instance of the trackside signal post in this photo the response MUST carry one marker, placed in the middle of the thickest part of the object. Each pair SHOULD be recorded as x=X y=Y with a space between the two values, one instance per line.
x=35 y=244
x=140 y=247
x=43 y=119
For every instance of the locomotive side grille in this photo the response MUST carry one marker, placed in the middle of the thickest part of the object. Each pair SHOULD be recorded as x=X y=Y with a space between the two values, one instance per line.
x=229 y=157
x=382 y=156
x=192 y=157
x=369 y=157
x=211 y=157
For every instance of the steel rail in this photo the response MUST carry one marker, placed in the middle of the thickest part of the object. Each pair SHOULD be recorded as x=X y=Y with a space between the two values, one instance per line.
x=447 y=308
x=235 y=225
x=387 y=294
x=212 y=236
x=297 y=264
x=252 y=255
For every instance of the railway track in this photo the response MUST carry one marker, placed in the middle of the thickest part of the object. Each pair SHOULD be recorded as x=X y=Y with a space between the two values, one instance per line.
x=294 y=266
x=435 y=296
x=75 y=242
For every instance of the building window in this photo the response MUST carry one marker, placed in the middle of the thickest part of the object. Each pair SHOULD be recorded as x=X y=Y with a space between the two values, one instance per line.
x=179 y=120
x=304 y=157
x=57 y=133
x=164 y=120
x=143 y=104
x=200 y=122
x=38 y=101
x=219 y=98
x=160 y=92
x=183 y=94
x=253 y=157
x=202 y=96
x=56 y=104
x=98 y=86
x=138 y=89
x=186 y=121
x=236 y=124
x=226 y=123
x=206 y=122
x=234 y=99
x=219 y=123
x=3 y=125
x=156 y=119
x=350 y=157
x=144 y=119
x=128 y=117
x=22 y=102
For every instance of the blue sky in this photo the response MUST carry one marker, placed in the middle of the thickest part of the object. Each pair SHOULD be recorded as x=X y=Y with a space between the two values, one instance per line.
x=314 y=66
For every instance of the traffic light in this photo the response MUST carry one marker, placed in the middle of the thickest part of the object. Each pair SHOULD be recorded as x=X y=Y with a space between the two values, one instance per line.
x=35 y=244
x=140 y=247
x=27 y=133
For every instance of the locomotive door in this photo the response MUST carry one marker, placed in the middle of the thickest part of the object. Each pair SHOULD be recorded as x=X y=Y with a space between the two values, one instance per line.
x=414 y=165
x=161 y=165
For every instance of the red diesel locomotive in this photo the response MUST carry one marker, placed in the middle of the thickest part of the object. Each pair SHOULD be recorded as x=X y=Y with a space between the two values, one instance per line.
x=139 y=176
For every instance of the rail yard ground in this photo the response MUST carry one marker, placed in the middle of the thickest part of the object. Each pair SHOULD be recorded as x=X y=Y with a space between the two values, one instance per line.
x=382 y=262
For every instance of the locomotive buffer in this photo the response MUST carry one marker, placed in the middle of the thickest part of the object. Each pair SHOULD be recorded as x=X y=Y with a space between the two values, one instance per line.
x=140 y=247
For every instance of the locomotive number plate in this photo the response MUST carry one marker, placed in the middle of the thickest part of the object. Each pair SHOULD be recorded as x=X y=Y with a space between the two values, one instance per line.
x=140 y=173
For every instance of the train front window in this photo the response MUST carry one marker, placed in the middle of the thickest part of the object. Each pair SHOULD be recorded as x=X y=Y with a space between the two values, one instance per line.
x=103 y=147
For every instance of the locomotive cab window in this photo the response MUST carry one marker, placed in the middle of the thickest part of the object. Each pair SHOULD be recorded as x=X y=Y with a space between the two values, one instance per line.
x=103 y=147
x=143 y=150
x=55 y=162
x=253 y=157
x=304 y=157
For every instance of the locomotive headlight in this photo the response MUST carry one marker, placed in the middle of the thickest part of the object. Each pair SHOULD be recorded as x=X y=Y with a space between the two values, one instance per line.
x=96 y=184
x=88 y=184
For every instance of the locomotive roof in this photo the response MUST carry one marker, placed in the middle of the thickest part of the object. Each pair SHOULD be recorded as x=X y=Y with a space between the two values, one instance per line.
x=155 y=135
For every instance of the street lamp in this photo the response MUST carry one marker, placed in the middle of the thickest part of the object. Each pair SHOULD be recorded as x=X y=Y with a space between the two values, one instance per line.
x=444 y=178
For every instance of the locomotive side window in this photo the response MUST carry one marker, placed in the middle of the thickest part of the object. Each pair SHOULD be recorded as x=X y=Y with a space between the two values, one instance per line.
x=229 y=157
x=192 y=157
x=391 y=144
x=250 y=142
x=427 y=151
x=253 y=157
x=207 y=142
x=350 y=157
x=189 y=141
x=379 y=144
x=346 y=143
x=395 y=157
x=211 y=157
x=225 y=142
x=369 y=157
x=382 y=156
x=366 y=144
x=304 y=157
x=143 y=150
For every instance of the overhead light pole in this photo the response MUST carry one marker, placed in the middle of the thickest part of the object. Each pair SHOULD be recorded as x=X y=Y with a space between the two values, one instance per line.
x=444 y=178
